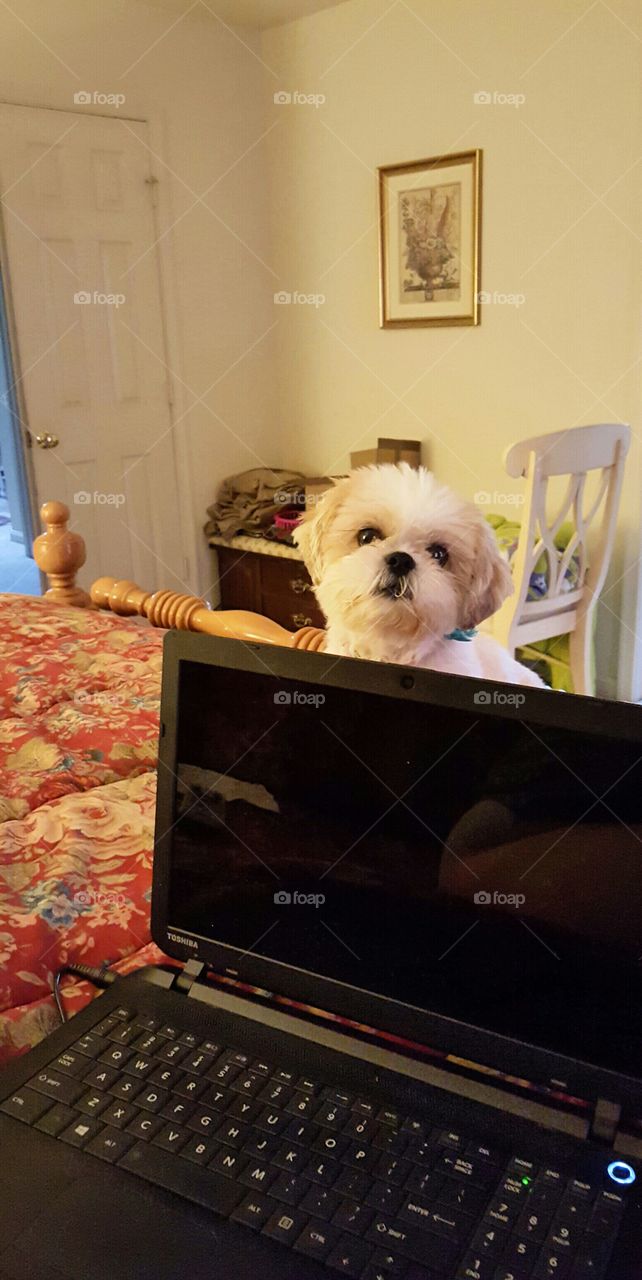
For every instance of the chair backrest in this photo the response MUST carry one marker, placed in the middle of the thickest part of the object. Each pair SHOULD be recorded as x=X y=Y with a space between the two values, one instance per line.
x=577 y=454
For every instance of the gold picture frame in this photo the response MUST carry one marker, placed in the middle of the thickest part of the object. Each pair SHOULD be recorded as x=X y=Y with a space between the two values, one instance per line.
x=430 y=241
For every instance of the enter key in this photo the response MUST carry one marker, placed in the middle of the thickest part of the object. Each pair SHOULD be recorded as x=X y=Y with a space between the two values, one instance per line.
x=444 y=1221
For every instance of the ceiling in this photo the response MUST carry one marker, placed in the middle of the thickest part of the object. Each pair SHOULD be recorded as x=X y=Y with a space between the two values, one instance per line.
x=251 y=13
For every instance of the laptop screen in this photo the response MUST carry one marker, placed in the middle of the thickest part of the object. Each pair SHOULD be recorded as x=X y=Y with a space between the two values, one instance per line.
x=458 y=859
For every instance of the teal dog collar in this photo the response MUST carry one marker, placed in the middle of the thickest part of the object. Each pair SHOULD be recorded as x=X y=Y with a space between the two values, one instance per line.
x=460 y=634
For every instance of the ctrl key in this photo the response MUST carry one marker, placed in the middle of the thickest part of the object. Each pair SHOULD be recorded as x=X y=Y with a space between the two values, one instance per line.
x=25 y=1105
x=316 y=1240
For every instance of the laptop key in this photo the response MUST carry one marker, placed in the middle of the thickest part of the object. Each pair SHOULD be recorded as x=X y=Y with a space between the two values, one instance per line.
x=358 y=1157
x=490 y=1242
x=26 y=1106
x=272 y=1121
x=303 y=1131
x=391 y=1264
x=166 y=1076
x=171 y=1138
x=202 y=1186
x=124 y=1033
x=249 y=1084
x=285 y=1225
x=116 y=1056
x=232 y=1133
x=110 y=1145
x=176 y=1109
x=520 y=1254
x=126 y=1088
x=463 y=1196
x=551 y=1265
x=93 y=1102
x=55 y=1119
x=90 y=1045
x=81 y=1131
x=262 y=1147
x=60 y=1088
x=100 y=1076
x=145 y=1126
x=355 y=1218
x=317 y=1240
x=302 y=1105
x=353 y=1184
x=420 y=1246
x=172 y=1051
x=228 y=1162
x=191 y=1087
x=257 y=1174
x=253 y=1212
x=389 y=1169
x=140 y=1066
x=384 y=1196
x=330 y=1144
x=200 y=1150
x=120 y=1114
x=275 y=1093
x=204 y=1121
x=70 y=1063
x=151 y=1098
x=244 y=1110
x=198 y=1062
x=124 y=1013
x=330 y=1116
x=321 y=1203
x=349 y=1257
x=290 y=1188
x=323 y=1171
x=476 y=1267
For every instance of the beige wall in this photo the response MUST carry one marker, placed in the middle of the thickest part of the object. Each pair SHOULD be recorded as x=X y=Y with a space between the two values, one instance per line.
x=399 y=85
x=202 y=91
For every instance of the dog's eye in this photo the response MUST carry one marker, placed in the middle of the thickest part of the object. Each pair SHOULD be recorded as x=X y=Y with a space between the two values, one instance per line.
x=438 y=553
x=365 y=536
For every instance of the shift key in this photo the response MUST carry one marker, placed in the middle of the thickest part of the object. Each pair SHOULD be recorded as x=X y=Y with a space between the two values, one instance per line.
x=421 y=1246
x=55 y=1085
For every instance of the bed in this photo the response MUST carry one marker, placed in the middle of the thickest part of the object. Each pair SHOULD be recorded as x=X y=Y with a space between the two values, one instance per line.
x=79 y=708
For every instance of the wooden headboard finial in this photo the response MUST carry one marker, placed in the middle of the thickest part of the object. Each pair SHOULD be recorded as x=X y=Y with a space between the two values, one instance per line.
x=59 y=554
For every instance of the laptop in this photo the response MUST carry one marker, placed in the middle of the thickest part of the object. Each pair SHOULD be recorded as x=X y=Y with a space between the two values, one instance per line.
x=401 y=1037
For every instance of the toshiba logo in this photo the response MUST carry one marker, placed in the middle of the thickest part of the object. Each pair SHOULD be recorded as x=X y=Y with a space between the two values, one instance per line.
x=186 y=942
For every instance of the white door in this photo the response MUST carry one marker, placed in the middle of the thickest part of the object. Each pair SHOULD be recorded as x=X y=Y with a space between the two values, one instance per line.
x=83 y=278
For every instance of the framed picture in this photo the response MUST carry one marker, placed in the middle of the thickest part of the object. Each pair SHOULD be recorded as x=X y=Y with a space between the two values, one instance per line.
x=429 y=228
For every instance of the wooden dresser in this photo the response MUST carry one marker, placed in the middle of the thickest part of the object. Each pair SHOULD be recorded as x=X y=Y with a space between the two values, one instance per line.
x=266 y=577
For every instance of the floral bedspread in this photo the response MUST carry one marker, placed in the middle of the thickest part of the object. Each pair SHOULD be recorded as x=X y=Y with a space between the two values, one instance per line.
x=79 y=707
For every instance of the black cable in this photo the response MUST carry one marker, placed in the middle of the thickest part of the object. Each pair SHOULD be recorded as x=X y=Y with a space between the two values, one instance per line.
x=100 y=978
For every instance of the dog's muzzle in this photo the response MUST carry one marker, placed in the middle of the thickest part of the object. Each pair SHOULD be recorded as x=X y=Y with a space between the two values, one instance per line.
x=395 y=583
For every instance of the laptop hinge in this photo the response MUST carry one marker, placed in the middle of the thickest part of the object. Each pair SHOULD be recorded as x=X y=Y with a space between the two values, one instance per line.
x=606 y=1119
x=192 y=972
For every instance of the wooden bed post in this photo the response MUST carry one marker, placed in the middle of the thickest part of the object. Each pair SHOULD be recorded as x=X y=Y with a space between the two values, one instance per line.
x=59 y=554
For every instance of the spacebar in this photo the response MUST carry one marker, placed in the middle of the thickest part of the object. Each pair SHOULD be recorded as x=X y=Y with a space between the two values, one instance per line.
x=165 y=1169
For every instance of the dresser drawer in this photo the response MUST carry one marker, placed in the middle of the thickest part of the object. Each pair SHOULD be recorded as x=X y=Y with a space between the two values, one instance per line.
x=292 y=611
x=289 y=576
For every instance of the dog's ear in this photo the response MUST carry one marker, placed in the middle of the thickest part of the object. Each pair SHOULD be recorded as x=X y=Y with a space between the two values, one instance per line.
x=491 y=581
x=310 y=534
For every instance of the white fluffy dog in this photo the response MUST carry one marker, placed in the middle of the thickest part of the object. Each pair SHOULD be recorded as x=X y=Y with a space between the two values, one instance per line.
x=401 y=567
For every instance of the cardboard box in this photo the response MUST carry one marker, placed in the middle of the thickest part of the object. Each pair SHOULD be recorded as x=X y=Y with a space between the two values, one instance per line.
x=388 y=450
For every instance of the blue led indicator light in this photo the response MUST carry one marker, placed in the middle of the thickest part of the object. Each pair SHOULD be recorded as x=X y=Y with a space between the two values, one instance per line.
x=621 y=1172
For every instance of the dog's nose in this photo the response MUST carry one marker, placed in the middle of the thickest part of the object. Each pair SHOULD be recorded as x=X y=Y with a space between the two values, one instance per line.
x=400 y=563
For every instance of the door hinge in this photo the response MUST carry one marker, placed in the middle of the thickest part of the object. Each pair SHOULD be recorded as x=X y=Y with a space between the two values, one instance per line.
x=192 y=972
x=606 y=1119
x=152 y=183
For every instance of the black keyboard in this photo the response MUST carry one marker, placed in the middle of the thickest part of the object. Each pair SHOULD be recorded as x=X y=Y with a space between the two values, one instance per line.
x=368 y=1191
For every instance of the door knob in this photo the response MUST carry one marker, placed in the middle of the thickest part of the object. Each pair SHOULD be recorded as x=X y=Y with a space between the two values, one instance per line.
x=47 y=441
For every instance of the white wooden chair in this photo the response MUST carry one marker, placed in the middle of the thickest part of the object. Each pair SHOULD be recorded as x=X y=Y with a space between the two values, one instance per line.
x=595 y=454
